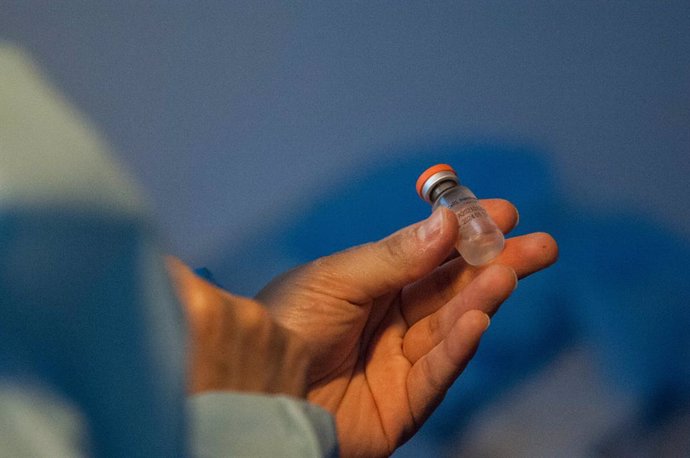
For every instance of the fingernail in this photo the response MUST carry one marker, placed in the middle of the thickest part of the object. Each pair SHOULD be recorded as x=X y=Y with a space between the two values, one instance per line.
x=431 y=227
x=517 y=221
x=488 y=321
x=516 y=279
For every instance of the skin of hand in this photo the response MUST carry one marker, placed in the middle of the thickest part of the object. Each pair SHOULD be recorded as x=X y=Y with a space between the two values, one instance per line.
x=234 y=344
x=391 y=324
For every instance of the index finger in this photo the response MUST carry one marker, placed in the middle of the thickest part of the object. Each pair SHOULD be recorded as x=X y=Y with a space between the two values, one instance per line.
x=525 y=254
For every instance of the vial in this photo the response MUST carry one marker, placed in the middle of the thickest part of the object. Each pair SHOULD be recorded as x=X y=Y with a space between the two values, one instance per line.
x=479 y=239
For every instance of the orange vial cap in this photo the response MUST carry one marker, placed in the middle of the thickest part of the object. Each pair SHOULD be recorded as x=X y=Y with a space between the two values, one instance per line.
x=428 y=173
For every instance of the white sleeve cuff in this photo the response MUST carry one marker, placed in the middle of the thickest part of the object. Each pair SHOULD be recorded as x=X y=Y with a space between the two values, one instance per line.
x=244 y=424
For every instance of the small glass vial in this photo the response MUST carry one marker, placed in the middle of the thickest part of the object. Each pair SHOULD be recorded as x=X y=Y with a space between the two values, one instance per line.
x=479 y=240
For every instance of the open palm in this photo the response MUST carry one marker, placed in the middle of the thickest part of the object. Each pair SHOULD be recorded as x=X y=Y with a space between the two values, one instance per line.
x=391 y=325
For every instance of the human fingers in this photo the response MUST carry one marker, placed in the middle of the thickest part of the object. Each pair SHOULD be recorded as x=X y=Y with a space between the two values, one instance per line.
x=365 y=272
x=431 y=376
x=529 y=253
x=486 y=293
x=524 y=254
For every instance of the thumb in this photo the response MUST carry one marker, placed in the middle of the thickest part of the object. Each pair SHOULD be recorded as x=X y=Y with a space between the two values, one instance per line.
x=379 y=268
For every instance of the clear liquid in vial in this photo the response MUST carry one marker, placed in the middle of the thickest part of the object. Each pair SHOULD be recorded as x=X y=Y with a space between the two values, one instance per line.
x=479 y=239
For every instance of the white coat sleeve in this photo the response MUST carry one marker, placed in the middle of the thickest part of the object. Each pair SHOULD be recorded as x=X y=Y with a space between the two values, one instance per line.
x=238 y=424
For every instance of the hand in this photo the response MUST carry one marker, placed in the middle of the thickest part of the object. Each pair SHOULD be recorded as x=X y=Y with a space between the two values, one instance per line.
x=235 y=344
x=389 y=330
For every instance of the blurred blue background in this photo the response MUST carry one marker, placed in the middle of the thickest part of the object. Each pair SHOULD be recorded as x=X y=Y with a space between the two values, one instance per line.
x=268 y=133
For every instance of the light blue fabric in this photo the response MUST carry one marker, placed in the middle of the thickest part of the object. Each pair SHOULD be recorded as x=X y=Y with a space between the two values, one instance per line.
x=260 y=426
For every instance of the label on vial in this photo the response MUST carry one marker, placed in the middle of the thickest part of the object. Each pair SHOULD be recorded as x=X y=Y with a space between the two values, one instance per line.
x=459 y=200
x=471 y=212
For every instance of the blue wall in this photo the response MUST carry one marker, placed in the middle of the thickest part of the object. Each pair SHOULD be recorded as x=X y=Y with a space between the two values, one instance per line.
x=234 y=114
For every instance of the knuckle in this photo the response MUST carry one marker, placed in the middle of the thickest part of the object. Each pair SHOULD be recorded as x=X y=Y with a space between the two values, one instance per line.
x=397 y=253
x=433 y=324
x=444 y=280
x=252 y=316
x=431 y=376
